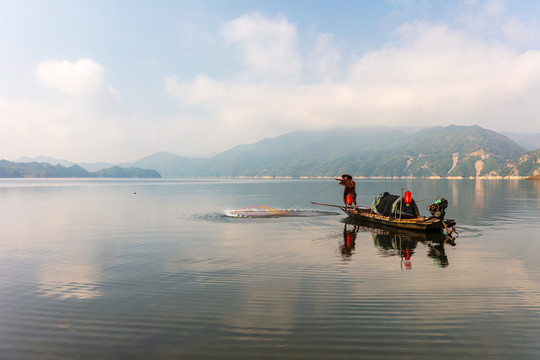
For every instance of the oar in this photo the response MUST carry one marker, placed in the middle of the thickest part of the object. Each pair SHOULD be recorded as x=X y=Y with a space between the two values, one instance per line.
x=339 y=206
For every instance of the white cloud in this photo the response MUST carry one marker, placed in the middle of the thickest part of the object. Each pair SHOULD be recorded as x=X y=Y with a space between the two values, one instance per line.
x=269 y=46
x=431 y=75
x=324 y=58
x=78 y=78
x=80 y=125
x=83 y=79
x=490 y=19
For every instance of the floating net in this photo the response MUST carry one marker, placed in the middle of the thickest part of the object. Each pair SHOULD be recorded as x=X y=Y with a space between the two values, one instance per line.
x=259 y=211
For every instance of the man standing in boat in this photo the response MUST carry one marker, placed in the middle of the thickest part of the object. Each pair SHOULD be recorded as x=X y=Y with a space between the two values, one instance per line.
x=350 y=190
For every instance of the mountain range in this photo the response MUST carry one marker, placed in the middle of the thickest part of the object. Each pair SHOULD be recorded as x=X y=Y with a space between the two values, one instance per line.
x=53 y=161
x=36 y=169
x=452 y=151
x=527 y=141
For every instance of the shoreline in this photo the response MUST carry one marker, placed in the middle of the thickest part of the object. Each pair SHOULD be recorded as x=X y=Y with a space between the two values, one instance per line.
x=533 y=177
x=361 y=177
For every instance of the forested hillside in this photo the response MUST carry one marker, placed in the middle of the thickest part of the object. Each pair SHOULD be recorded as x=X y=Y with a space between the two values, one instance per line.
x=10 y=169
x=452 y=151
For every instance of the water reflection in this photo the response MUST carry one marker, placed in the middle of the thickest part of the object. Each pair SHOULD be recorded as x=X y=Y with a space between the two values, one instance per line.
x=535 y=185
x=479 y=200
x=64 y=281
x=349 y=239
x=402 y=243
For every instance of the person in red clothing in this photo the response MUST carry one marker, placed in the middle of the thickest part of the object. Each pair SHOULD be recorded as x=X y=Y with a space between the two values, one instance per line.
x=350 y=189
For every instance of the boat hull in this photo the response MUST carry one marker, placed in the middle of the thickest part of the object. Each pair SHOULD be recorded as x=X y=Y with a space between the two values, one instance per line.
x=421 y=224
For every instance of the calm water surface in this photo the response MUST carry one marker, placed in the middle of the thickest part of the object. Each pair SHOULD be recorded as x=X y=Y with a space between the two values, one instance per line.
x=141 y=269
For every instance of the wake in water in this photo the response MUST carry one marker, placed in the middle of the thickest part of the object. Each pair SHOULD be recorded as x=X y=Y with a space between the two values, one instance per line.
x=259 y=211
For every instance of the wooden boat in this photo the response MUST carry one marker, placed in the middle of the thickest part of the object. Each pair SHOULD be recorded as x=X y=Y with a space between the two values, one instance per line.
x=398 y=216
x=419 y=223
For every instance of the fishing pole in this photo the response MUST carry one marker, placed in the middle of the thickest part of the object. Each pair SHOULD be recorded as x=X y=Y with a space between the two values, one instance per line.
x=310 y=195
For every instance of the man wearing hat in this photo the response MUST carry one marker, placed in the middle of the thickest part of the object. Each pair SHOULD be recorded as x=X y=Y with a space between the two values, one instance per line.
x=350 y=189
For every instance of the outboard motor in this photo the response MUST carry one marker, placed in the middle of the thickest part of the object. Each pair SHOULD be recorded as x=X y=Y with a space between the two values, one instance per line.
x=437 y=209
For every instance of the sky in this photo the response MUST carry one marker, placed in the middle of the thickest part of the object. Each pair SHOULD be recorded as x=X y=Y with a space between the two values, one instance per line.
x=116 y=81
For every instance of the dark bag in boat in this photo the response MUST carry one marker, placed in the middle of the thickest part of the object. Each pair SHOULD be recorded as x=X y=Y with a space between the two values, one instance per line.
x=389 y=205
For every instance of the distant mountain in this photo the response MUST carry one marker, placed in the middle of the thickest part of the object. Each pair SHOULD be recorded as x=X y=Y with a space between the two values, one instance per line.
x=45 y=159
x=300 y=153
x=527 y=141
x=458 y=151
x=170 y=165
x=452 y=151
x=10 y=169
x=131 y=172
x=41 y=170
x=95 y=166
x=54 y=161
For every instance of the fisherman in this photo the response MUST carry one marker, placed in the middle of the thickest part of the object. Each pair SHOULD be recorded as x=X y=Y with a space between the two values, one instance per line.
x=350 y=189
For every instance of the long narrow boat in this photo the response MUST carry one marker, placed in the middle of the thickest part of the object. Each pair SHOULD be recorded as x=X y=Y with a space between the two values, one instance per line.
x=419 y=223
x=409 y=220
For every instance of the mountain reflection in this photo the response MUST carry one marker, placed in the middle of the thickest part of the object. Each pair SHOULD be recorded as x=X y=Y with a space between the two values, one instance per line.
x=395 y=242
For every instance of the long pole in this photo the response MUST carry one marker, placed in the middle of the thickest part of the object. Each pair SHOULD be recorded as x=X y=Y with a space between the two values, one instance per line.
x=339 y=206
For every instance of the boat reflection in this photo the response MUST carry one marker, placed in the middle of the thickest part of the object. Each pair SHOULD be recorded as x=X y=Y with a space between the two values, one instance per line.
x=402 y=243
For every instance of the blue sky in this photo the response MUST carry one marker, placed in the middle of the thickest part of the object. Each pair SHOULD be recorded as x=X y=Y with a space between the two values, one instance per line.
x=120 y=80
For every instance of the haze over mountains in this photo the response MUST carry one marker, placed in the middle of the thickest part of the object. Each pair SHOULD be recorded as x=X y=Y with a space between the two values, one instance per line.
x=53 y=161
x=36 y=169
x=527 y=141
x=453 y=151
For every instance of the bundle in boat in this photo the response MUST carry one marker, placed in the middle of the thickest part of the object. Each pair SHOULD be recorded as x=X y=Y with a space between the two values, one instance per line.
x=387 y=204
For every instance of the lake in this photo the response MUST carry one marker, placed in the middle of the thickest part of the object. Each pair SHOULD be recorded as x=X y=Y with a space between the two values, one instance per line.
x=152 y=269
